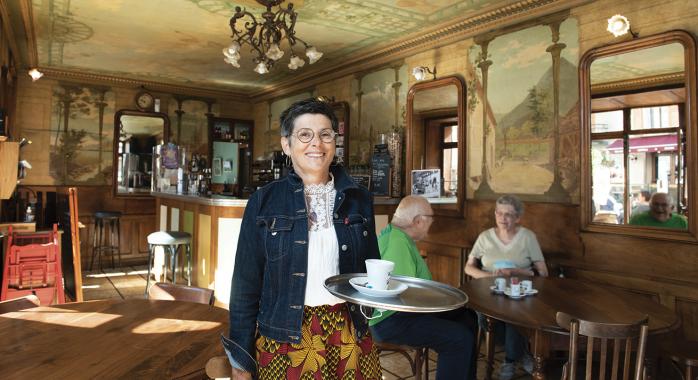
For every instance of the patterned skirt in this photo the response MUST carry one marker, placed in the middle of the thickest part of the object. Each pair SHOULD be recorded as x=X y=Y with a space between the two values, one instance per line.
x=328 y=350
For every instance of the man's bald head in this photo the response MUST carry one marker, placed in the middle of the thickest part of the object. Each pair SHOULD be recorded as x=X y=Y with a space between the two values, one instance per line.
x=410 y=207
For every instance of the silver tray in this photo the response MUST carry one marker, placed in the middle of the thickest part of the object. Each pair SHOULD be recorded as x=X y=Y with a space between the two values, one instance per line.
x=421 y=296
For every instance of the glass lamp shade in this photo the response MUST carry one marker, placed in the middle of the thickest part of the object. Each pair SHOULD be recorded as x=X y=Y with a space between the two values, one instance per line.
x=274 y=53
x=419 y=73
x=313 y=54
x=261 y=68
x=232 y=62
x=618 y=25
x=35 y=74
x=295 y=62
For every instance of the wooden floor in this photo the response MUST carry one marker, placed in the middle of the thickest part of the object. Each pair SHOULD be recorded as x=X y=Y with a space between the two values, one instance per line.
x=129 y=282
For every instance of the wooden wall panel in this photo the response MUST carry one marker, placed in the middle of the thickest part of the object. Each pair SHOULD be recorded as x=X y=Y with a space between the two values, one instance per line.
x=443 y=262
x=687 y=309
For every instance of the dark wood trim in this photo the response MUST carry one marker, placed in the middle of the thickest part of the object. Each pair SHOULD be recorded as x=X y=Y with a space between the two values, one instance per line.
x=459 y=210
x=587 y=225
x=343 y=108
x=115 y=146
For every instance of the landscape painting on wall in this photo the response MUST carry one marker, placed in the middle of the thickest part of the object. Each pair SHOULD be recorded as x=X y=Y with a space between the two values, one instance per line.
x=531 y=128
x=81 y=135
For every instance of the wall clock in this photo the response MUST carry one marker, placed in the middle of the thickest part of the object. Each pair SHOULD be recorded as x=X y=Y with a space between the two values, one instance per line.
x=145 y=101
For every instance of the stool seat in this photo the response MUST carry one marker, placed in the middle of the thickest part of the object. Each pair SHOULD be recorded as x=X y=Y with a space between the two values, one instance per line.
x=169 y=238
x=107 y=214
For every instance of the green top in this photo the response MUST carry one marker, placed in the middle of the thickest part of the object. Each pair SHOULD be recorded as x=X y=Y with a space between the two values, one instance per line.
x=645 y=219
x=398 y=247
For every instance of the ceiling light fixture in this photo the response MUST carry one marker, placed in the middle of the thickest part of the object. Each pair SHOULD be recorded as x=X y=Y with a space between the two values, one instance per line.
x=420 y=72
x=35 y=74
x=619 y=25
x=266 y=37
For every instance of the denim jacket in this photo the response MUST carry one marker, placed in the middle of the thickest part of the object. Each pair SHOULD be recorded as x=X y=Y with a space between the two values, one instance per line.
x=269 y=279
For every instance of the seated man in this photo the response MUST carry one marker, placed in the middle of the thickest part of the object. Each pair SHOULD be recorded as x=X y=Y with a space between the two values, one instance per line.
x=450 y=334
x=660 y=214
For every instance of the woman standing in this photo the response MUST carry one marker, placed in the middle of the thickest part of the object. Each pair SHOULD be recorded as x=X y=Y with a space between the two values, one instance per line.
x=508 y=249
x=297 y=231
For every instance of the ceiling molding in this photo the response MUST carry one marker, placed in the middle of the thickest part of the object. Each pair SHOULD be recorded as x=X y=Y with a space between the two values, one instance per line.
x=133 y=83
x=7 y=30
x=639 y=83
x=29 y=32
x=495 y=18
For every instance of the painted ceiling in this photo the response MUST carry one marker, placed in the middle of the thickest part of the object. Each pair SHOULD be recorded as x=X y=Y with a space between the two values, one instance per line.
x=180 y=41
x=660 y=60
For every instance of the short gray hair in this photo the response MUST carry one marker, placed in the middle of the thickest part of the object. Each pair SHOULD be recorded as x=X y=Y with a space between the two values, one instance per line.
x=668 y=196
x=513 y=201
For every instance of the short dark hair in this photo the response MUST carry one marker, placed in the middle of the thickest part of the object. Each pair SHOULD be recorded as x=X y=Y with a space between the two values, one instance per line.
x=302 y=107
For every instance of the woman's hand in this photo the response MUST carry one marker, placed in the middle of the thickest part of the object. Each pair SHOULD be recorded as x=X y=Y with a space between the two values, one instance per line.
x=239 y=374
x=508 y=272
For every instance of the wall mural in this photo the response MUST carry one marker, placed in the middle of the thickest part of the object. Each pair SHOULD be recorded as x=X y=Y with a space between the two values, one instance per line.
x=189 y=124
x=530 y=131
x=81 y=135
x=381 y=98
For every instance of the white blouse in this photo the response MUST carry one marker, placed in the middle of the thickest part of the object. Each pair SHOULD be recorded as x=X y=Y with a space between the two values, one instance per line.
x=323 y=248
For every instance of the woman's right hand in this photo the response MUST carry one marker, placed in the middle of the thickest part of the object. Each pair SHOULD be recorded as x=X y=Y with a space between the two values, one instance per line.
x=239 y=374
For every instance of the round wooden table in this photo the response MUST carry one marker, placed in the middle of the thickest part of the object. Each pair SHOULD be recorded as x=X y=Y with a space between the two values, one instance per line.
x=135 y=338
x=584 y=300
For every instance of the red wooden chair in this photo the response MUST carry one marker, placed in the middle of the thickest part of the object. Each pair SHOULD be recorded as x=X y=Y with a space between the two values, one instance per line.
x=33 y=266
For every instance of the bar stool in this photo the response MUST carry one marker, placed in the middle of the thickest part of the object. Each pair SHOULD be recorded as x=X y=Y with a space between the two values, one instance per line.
x=170 y=241
x=102 y=242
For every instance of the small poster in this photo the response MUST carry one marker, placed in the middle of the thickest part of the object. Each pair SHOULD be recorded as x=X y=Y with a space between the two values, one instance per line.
x=426 y=183
x=341 y=128
x=362 y=180
x=170 y=156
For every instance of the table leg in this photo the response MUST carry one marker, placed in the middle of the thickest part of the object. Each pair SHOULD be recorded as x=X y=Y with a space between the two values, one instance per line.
x=541 y=348
x=489 y=341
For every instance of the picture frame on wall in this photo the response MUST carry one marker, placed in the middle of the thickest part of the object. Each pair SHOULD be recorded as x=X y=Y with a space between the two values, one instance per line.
x=426 y=183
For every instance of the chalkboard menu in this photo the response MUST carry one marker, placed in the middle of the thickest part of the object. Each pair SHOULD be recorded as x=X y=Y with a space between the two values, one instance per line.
x=380 y=173
x=362 y=180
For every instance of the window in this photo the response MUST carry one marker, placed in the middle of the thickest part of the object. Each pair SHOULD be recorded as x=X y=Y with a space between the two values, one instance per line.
x=449 y=152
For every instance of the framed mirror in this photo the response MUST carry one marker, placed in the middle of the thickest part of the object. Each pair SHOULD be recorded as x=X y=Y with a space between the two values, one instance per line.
x=435 y=144
x=638 y=150
x=135 y=135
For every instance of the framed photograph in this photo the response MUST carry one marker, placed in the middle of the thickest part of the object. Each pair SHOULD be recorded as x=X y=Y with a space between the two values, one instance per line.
x=217 y=163
x=426 y=183
x=227 y=166
x=170 y=156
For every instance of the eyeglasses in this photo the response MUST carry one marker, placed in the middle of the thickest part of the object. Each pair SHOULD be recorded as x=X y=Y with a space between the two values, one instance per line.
x=306 y=135
x=506 y=215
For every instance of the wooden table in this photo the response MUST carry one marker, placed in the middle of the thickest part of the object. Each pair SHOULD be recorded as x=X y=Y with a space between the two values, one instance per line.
x=582 y=299
x=137 y=338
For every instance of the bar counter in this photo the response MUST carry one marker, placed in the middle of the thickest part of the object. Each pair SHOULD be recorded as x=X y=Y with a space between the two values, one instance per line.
x=214 y=223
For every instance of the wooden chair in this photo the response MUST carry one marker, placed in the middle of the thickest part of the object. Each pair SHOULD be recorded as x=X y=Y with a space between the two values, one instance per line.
x=26 y=302
x=421 y=357
x=683 y=355
x=171 y=292
x=621 y=337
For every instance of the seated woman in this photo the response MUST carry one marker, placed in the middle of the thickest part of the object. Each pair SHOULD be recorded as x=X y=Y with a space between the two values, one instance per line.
x=507 y=250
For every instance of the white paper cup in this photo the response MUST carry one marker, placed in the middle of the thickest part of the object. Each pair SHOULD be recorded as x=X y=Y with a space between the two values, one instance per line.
x=526 y=286
x=500 y=283
x=378 y=272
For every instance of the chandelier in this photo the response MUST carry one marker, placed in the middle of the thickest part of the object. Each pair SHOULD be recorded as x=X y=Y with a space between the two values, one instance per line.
x=265 y=37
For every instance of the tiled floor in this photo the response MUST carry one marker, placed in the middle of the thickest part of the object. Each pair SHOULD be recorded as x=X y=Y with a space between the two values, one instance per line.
x=129 y=282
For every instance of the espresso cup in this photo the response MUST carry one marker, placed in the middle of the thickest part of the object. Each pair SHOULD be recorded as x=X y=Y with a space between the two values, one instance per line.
x=500 y=283
x=526 y=286
x=515 y=290
x=378 y=272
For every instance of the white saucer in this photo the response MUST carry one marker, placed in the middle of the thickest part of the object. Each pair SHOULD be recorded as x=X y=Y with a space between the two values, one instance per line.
x=532 y=292
x=395 y=287
x=493 y=288
x=507 y=292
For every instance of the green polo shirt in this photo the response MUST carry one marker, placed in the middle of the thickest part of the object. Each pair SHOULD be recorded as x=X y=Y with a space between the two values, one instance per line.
x=645 y=219
x=398 y=247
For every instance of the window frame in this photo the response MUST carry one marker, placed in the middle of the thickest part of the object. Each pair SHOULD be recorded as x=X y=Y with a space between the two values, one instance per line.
x=689 y=136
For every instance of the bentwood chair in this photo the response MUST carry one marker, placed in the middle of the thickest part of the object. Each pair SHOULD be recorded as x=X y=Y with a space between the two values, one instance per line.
x=421 y=357
x=622 y=338
x=683 y=355
x=171 y=292
x=26 y=302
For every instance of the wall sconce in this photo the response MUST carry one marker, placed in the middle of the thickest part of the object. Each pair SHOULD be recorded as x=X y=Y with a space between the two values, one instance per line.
x=619 y=25
x=420 y=72
x=35 y=74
